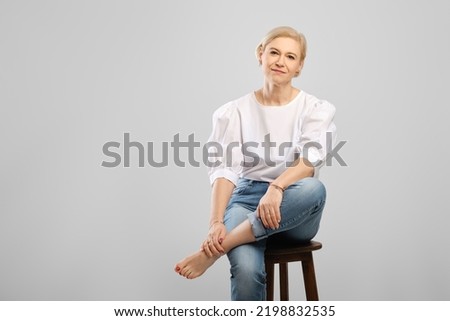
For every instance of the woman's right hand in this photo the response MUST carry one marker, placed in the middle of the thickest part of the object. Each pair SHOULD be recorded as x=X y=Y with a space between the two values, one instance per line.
x=212 y=246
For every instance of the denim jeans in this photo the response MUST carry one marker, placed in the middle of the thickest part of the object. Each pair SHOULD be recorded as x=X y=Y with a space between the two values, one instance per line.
x=301 y=211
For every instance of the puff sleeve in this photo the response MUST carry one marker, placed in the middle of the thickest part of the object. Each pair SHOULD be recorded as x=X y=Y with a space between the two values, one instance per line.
x=317 y=134
x=224 y=153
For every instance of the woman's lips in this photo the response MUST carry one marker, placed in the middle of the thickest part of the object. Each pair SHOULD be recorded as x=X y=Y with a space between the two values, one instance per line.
x=278 y=71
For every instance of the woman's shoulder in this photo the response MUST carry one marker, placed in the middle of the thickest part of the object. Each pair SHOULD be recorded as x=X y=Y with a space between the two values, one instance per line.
x=313 y=103
x=234 y=106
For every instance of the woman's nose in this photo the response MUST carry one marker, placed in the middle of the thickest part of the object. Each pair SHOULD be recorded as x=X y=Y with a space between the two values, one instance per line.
x=280 y=61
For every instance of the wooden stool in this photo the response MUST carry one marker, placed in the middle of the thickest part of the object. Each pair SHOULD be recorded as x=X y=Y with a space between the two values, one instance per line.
x=283 y=255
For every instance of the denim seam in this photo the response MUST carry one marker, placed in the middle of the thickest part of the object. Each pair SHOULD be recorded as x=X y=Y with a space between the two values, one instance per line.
x=309 y=212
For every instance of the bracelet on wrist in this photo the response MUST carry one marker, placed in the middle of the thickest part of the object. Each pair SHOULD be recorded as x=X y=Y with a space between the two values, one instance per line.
x=281 y=189
x=214 y=222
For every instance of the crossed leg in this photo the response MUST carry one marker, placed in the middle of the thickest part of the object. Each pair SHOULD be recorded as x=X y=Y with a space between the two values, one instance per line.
x=196 y=264
x=302 y=207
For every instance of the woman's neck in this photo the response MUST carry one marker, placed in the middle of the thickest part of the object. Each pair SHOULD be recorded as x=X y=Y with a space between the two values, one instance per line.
x=273 y=95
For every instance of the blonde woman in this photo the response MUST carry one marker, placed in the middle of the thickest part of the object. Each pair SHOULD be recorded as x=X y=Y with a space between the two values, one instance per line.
x=267 y=187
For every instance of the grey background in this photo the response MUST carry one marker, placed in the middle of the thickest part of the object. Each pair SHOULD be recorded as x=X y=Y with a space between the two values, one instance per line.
x=77 y=74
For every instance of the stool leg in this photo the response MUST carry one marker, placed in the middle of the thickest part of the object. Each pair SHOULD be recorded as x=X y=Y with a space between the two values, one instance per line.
x=309 y=277
x=284 y=282
x=269 y=280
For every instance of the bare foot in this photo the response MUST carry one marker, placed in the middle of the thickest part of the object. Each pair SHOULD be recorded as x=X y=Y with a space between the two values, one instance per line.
x=195 y=265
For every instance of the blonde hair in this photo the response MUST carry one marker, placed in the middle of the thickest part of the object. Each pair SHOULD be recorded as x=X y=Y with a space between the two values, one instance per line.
x=283 y=31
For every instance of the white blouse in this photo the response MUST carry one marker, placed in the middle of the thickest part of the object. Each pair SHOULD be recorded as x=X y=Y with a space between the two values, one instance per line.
x=259 y=142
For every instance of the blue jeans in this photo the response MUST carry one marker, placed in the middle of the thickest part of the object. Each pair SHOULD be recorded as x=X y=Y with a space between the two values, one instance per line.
x=301 y=210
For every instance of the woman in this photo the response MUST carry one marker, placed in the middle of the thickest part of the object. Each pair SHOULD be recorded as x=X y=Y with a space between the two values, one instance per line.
x=268 y=188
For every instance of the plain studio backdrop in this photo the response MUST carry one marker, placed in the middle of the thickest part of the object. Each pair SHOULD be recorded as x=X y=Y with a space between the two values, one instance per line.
x=75 y=75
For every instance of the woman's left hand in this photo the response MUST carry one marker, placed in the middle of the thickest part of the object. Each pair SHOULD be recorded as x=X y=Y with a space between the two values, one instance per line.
x=269 y=208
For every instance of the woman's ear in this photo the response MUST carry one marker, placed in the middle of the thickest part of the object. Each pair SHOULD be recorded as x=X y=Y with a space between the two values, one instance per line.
x=301 y=66
x=260 y=55
x=299 y=70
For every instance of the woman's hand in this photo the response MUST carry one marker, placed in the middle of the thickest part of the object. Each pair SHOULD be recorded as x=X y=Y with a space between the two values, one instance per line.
x=212 y=245
x=269 y=208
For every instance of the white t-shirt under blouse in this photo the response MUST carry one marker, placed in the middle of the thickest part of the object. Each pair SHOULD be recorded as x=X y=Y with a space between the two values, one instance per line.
x=260 y=142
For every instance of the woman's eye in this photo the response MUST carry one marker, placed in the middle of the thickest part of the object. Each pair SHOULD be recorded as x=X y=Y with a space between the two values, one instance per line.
x=291 y=57
x=273 y=52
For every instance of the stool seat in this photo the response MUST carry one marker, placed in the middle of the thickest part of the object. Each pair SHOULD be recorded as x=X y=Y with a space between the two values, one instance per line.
x=283 y=254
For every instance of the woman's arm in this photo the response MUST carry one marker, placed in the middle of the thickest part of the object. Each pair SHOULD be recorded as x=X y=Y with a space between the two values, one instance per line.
x=220 y=196
x=302 y=168
x=269 y=206
x=316 y=125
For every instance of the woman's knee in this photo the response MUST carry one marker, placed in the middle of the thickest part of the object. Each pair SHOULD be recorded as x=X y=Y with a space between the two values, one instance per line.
x=306 y=196
x=307 y=188
x=312 y=185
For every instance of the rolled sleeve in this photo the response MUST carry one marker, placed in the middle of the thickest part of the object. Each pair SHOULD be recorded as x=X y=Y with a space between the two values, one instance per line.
x=224 y=145
x=225 y=173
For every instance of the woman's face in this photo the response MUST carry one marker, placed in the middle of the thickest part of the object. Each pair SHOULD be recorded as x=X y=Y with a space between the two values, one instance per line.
x=280 y=60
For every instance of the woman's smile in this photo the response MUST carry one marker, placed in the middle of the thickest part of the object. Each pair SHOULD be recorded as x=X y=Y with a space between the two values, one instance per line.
x=278 y=71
